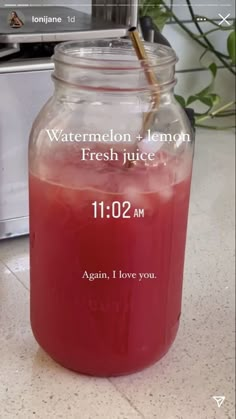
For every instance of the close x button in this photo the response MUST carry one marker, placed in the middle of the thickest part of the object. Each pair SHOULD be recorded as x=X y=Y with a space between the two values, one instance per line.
x=224 y=19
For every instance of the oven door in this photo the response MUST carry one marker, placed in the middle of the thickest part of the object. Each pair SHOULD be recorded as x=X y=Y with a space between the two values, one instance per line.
x=24 y=88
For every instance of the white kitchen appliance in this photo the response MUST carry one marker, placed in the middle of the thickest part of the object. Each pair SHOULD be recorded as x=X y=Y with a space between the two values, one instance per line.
x=25 y=85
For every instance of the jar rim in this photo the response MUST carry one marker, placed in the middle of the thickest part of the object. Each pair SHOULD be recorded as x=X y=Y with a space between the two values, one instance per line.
x=97 y=54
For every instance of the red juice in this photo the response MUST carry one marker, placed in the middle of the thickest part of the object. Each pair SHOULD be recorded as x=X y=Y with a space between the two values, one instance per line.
x=106 y=289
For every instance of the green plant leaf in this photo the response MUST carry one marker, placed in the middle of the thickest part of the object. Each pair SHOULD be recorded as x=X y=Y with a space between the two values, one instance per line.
x=205 y=96
x=209 y=100
x=156 y=11
x=215 y=99
x=161 y=20
x=213 y=69
x=231 y=45
x=191 y=99
x=181 y=100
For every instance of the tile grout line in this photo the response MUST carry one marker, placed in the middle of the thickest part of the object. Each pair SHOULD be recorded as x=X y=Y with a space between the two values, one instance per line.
x=126 y=398
x=14 y=274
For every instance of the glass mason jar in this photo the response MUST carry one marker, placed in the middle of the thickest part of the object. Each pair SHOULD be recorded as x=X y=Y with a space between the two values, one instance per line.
x=108 y=209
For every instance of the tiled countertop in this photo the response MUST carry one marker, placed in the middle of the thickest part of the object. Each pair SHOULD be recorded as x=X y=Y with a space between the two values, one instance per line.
x=199 y=365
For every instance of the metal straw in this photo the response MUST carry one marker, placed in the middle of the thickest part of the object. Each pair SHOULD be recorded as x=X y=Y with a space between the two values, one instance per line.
x=150 y=75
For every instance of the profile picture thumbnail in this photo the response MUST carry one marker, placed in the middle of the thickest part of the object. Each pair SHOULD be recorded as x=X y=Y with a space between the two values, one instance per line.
x=16 y=19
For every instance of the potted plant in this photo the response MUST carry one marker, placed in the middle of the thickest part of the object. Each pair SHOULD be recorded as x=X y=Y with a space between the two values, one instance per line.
x=160 y=13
